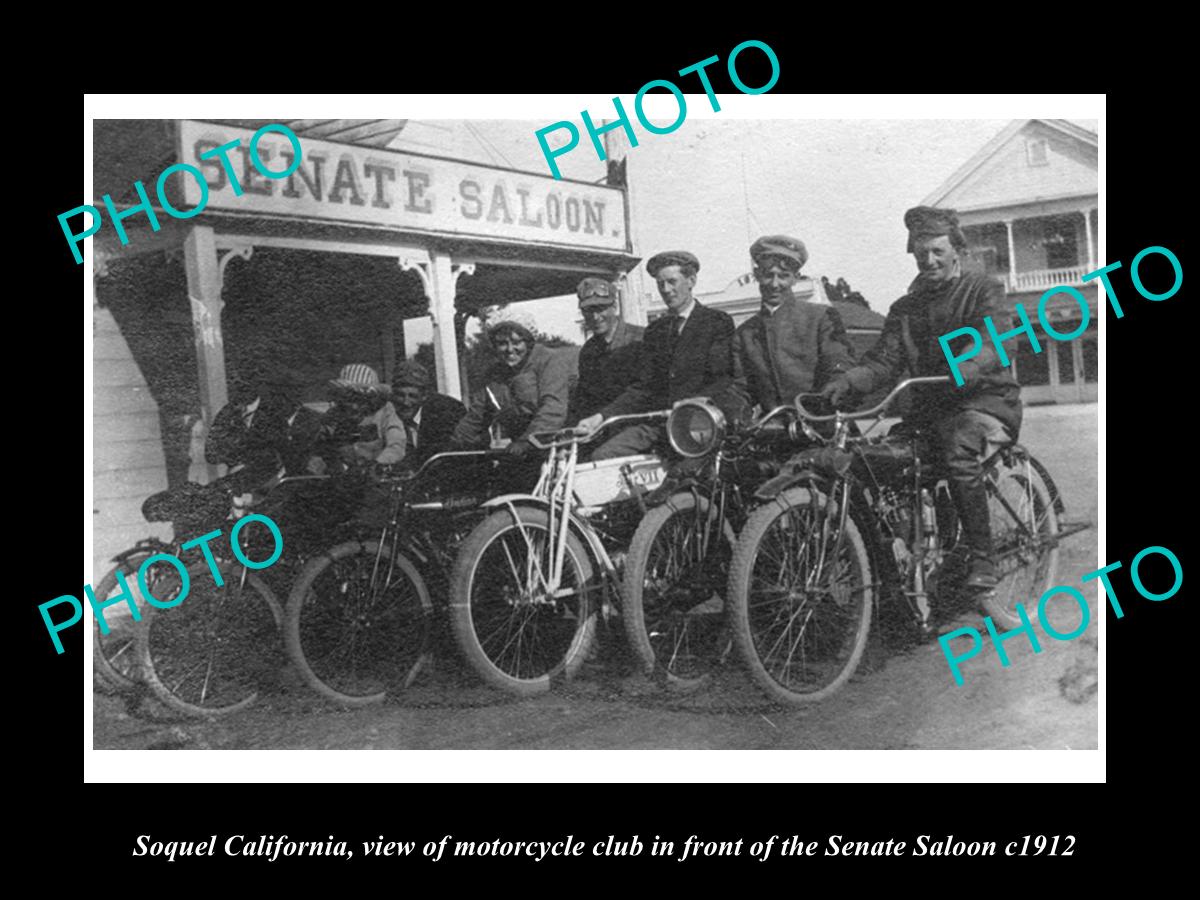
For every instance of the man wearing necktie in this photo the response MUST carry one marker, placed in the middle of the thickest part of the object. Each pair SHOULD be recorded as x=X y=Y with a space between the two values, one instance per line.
x=429 y=418
x=686 y=353
x=790 y=346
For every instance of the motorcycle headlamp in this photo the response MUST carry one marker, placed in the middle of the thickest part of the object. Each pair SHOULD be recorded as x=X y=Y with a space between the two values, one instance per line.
x=695 y=427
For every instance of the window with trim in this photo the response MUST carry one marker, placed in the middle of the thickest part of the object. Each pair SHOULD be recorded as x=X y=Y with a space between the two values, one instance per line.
x=1035 y=152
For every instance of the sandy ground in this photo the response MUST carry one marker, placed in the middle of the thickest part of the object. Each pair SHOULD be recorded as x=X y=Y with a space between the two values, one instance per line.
x=906 y=700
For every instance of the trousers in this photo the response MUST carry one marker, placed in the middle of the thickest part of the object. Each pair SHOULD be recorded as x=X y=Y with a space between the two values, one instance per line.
x=631 y=440
x=966 y=441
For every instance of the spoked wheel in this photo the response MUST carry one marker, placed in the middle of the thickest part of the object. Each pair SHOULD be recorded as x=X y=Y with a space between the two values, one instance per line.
x=358 y=623
x=114 y=657
x=515 y=633
x=673 y=605
x=800 y=597
x=1025 y=536
x=208 y=655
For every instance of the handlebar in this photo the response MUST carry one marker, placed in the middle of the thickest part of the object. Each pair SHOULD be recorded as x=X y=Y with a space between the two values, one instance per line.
x=873 y=411
x=395 y=474
x=544 y=440
x=764 y=424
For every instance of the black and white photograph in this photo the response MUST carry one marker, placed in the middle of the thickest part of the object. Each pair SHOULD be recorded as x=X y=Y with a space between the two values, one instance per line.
x=515 y=431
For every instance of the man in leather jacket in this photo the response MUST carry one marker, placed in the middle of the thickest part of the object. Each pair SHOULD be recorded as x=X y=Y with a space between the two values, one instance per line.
x=970 y=422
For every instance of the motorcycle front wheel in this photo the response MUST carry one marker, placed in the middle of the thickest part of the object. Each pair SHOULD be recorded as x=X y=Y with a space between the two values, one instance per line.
x=800 y=597
x=358 y=626
x=673 y=603
x=513 y=632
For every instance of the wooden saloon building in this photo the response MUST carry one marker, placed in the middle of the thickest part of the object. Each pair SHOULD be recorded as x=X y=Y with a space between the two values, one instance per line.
x=301 y=275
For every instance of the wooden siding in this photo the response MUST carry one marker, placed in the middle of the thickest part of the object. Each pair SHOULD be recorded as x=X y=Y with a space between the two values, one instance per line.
x=128 y=464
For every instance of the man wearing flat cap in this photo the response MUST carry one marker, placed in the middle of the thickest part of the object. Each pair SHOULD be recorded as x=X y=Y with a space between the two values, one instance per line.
x=610 y=358
x=429 y=417
x=790 y=346
x=969 y=422
x=686 y=353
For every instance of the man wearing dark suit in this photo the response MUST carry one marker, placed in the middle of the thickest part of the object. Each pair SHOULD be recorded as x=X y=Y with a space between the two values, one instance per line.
x=686 y=353
x=610 y=359
x=790 y=346
x=429 y=418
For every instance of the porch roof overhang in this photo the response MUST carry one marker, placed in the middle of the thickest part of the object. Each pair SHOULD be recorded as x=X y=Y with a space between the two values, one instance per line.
x=506 y=271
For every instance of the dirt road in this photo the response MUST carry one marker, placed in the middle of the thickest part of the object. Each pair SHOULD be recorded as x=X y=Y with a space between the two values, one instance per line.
x=907 y=700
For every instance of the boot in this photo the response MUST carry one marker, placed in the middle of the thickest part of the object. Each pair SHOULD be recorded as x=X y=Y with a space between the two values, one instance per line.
x=971 y=501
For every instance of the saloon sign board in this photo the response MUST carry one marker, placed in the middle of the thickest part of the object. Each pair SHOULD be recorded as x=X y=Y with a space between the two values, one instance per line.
x=347 y=183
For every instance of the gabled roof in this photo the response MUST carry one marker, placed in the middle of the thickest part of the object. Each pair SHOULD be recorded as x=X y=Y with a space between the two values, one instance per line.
x=992 y=147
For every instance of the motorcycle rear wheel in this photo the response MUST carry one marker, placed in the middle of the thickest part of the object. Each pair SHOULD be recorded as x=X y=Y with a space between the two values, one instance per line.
x=208 y=656
x=114 y=656
x=1025 y=537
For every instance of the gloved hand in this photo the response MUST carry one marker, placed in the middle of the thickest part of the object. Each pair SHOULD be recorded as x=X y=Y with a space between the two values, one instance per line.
x=518 y=448
x=590 y=424
x=969 y=371
x=837 y=390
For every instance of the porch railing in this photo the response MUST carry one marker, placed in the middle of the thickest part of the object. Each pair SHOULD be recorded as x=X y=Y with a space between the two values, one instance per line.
x=1043 y=279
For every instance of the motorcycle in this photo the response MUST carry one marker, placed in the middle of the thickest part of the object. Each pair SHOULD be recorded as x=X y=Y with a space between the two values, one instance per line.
x=675 y=573
x=360 y=614
x=854 y=520
x=531 y=578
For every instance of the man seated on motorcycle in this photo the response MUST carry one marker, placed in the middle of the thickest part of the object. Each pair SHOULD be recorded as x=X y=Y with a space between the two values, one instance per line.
x=967 y=423
x=790 y=345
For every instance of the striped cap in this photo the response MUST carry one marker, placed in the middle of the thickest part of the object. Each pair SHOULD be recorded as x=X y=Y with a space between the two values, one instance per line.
x=361 y=379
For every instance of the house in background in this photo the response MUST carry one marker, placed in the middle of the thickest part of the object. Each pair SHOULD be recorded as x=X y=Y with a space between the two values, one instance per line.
x=1028 y=206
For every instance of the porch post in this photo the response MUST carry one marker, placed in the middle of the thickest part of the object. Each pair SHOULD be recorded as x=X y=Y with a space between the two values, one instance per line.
x=440 y=277
x=1091 y=241
x=1052 y=363
x=616 y=150
x=1077 y=365
x=204 y=296
x=1012 y=256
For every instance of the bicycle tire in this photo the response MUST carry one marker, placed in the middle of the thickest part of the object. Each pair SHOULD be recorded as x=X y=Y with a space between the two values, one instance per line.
x=1027 y=563
x=846 y=608
x=567 y=629
x=170 y=639
x=662 y=639
x=114 y=655
x=394 y=672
